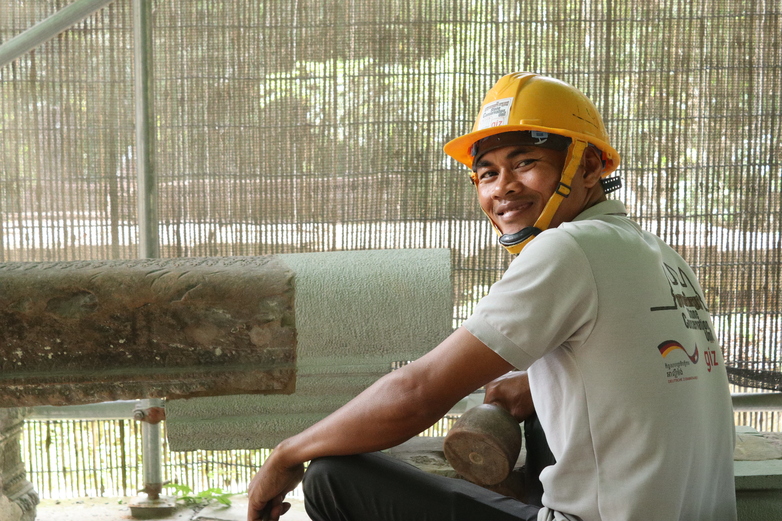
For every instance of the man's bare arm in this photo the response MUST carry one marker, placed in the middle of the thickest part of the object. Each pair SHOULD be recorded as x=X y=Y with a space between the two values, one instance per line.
x=392 y=410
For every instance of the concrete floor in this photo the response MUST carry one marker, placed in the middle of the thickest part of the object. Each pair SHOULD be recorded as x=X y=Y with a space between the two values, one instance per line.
x=116 y=509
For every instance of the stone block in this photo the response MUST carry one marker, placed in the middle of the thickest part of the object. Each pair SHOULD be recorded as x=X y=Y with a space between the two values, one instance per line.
x=17 y=497
x=84 y=332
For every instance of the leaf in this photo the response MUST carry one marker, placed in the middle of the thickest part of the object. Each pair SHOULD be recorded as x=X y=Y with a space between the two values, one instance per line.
x=181 y=490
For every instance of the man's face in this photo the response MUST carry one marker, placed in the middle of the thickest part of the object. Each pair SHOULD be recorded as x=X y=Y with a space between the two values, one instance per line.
x=515 y=182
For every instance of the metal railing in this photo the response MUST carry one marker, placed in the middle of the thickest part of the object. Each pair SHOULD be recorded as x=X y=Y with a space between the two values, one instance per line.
x=47 y=29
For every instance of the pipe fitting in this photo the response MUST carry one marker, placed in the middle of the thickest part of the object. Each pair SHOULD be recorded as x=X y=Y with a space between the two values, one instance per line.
x=151 y=415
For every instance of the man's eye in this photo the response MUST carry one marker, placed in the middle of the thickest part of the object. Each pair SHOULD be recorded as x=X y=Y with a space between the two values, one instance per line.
x=486 y=174
x=525 y=163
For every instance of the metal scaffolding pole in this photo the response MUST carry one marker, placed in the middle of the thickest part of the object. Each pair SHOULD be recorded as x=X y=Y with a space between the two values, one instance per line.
x=150 y=433
x=49 y=28
x=145 y=131
x=148 y=248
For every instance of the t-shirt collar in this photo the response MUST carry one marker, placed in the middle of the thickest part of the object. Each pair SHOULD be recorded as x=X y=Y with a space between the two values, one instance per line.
x=610 y=207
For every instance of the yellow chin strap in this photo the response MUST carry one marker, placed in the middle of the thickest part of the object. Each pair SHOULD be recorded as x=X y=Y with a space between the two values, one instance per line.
x=515 y=242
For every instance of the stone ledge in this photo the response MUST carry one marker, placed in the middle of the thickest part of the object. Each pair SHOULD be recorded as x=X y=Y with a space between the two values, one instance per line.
x=759 y=475
x=758 y=460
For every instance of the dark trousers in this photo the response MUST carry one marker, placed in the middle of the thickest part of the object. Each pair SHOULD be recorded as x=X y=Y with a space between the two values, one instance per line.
x=377 y=487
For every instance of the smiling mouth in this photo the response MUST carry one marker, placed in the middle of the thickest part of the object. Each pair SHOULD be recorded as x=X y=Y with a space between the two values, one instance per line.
x=515 y=208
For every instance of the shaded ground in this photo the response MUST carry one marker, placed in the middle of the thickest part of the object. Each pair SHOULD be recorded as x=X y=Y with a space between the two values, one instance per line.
x=117 y=509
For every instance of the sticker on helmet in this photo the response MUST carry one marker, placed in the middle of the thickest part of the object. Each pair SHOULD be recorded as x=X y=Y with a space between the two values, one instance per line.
x=541 y=137
x=495 y=114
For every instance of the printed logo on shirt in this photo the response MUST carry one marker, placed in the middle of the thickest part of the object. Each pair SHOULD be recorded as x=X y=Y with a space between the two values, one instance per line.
x=677 y=371
x=686 y=299
x=670 y=345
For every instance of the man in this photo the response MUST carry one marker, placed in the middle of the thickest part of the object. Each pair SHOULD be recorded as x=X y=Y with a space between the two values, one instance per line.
x=624 y=372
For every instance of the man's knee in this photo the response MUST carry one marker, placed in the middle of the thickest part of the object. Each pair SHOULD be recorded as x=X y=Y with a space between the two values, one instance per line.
x=329 y=484
x=326 y=472
x=319 y=470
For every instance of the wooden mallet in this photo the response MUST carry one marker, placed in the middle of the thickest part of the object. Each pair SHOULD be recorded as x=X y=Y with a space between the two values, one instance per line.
x=484 y=444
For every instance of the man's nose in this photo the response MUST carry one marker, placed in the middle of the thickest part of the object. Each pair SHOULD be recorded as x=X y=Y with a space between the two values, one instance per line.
x=506 y=183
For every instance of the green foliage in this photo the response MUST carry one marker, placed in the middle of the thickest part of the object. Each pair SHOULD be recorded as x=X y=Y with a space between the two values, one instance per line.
x=185 y=494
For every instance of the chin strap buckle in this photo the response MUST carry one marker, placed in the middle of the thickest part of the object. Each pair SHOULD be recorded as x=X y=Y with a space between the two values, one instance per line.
x=563 y=189
x=512 y=239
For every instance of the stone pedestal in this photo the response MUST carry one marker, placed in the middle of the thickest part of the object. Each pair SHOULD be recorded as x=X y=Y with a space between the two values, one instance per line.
x=17 y=497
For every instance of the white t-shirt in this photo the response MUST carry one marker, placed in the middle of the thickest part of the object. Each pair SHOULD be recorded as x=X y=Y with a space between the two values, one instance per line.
x=626 y=375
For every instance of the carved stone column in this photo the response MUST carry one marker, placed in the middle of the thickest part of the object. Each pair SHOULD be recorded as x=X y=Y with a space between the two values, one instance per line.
x=85 y=332
x=17 y=497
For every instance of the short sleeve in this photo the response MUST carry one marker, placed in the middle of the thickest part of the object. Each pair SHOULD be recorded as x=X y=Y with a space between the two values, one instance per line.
x=545 y=299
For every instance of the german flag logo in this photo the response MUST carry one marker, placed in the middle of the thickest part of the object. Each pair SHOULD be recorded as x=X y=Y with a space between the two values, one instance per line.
x=672 y=345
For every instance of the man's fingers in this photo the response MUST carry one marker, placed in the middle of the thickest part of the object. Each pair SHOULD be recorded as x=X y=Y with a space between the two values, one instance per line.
x=266 y=512
x=276 y=511
x=257 y=515
x=275 y=508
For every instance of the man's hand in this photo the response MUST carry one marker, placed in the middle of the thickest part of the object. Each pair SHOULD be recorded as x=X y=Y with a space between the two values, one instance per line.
x=511 y=392
x=268 y=489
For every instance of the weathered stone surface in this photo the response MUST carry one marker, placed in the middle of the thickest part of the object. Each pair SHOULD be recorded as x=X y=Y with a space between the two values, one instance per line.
x=752 y=445
x=10 y=511
x=80 y=332
x=17 y=497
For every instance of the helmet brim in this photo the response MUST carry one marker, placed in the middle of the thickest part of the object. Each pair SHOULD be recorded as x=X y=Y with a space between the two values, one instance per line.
x=460 y=148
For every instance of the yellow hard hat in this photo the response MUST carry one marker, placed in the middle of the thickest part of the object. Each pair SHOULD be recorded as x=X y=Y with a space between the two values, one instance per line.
x=538 y=106
x=528 y=101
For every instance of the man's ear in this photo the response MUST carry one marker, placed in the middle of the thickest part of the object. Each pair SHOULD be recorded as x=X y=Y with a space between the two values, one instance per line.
x=592 y=163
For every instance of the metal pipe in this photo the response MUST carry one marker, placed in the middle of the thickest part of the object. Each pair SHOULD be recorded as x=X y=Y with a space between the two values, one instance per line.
x=757 y=401
x=48 y=28
x=147 y=211
x=145 y=131
x=151 y=454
